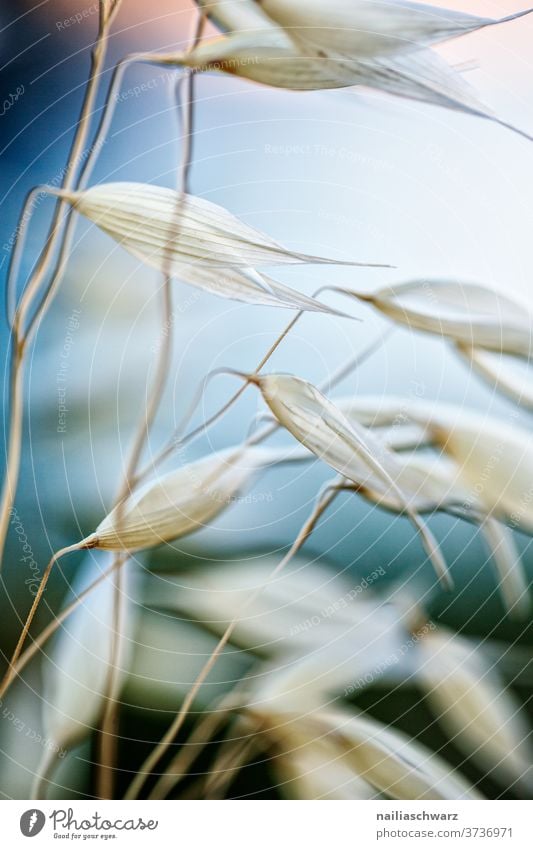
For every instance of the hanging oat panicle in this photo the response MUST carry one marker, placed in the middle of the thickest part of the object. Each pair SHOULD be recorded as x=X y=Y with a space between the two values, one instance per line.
x=182 y=501
x=350 y=449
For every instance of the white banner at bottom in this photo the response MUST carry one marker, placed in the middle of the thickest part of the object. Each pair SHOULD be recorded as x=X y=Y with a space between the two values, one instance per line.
x=268 y=824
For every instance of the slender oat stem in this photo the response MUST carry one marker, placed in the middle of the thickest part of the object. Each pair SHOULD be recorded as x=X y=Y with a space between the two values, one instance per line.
x=22 y=335
x=178 y=442
x=199 y=737
x=232 y=758
x=324 y=501
x=172 y=774
x=10 y=673
x=18 y=252
x=99 y=139
x=70 y=182
x=330 y=382
x=19 y=337
x=52 y=627
x=175 y=441
x=108 y=734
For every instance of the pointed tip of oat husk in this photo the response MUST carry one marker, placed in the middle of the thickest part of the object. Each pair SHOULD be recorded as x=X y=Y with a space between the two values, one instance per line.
x=507 y=126
x=513 y=17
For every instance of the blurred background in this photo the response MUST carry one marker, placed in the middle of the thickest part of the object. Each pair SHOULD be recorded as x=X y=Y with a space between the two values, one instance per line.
x=350 y=174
